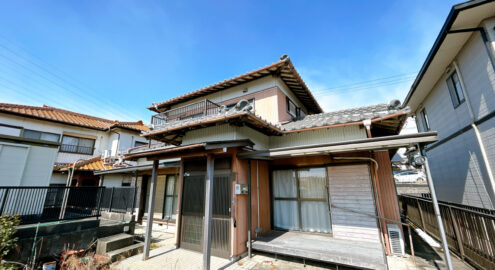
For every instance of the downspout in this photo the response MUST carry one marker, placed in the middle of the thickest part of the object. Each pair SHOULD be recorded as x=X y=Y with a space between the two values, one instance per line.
x=479 y=139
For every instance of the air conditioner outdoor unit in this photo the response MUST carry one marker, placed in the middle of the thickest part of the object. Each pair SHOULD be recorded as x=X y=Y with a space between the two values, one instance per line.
x=396 y=239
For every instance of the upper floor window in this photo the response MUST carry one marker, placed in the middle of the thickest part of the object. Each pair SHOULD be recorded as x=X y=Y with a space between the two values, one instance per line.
x=291 y=108
x=40 y=135
x=455 y=89
x=424 y=120
x=78 y=145
x=294 y=111
x=10 y=130
x=138 y=143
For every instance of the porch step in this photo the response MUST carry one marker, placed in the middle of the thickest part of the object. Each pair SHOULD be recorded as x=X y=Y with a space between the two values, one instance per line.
x=126 y=251
x=113 y=242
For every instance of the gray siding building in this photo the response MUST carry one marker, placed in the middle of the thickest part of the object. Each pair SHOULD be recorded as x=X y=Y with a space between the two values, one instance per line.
x=454 y=94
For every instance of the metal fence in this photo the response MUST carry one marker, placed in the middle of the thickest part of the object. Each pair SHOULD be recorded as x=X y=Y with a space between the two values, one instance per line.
x=470 y=231
x=197 y=109
x=44 y=204
x=118 y=199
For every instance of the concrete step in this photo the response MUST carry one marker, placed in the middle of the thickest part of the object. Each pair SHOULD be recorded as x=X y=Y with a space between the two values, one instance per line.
x=126 y=251
x=113 y=242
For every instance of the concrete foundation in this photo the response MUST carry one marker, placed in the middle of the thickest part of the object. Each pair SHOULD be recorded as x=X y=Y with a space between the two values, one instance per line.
x=51 y=239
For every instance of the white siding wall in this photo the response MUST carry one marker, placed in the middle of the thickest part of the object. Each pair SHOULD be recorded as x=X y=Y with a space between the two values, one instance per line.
x=458 y=172
x=350 y=187
x=457 y=166
x=227 y=132
x=25 y=165
x=319 y=136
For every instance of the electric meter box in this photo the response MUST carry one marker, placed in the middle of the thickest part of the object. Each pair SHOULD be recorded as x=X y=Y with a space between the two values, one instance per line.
x=241 y=189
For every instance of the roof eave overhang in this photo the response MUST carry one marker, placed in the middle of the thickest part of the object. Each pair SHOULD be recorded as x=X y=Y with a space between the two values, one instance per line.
x=434 y=61
x=175 y=152
x=371 y=144
x=274 y=69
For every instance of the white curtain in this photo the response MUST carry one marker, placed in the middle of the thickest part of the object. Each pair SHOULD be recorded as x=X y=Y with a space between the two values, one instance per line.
x=286 y=215
x=314 y=215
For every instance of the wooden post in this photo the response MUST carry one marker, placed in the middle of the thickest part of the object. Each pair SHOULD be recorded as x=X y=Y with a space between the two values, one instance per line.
x=411 y=243
x=208 y=211
x=421 y=214
x=457 y=232
x=178 y=221
x=151 y=208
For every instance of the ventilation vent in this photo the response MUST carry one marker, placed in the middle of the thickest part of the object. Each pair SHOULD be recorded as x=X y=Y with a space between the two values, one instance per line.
x=396 y=239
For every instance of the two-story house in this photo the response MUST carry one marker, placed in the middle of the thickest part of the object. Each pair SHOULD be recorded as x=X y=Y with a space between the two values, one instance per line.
x=262 y=167
x=454 y=94
x=36 y=143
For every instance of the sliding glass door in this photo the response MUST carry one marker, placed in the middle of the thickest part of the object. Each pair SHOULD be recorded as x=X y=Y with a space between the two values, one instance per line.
x=300 y=200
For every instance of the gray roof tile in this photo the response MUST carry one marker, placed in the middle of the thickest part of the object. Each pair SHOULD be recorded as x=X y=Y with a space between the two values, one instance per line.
x=344 y=116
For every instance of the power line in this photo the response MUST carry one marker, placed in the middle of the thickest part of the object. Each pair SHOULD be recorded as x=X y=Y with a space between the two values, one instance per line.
x=59 y=81
x=360 y=87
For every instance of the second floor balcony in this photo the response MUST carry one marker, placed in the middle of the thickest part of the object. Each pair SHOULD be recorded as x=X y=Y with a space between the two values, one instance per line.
x=193 y=110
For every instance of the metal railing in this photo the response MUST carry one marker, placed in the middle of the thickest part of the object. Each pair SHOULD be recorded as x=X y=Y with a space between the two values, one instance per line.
x=197 y=109
x=118 y=199
x=45 y=204
x=70 y=148
x=470 y=230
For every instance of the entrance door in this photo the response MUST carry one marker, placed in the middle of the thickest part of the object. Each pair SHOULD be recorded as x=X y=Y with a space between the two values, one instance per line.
x=300 y=200
x=193 y=203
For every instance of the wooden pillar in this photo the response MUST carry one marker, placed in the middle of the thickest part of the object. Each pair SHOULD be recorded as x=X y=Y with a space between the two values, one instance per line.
x=208 y=211
x=180 y=186
x=151 y=208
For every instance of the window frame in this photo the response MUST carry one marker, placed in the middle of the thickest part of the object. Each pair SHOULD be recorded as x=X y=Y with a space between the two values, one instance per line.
x=140 y=143
x=41 y=134
x=454 y=90
x=424 y=120
x=77 y=146
x=289 y=102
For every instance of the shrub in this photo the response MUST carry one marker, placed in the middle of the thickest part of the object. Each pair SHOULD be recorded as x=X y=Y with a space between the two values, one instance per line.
x=8 y=226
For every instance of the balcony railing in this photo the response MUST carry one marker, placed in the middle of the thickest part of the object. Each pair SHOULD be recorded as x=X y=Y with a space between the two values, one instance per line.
x=197 y=109
x=69 y=148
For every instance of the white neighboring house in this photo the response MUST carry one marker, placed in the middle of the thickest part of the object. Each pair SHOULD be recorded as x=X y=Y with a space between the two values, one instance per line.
x=454 y=94
x=36 y=142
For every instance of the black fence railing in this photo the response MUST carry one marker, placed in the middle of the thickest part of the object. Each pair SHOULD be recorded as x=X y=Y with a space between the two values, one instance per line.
x=197 y=109
x=70 y=148
x=118 y=199
x=45 y=204
x=470 y=231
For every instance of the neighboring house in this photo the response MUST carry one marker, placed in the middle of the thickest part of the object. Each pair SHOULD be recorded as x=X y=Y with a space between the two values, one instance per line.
x=454 y=94
x=301 y=182
x=37 y=143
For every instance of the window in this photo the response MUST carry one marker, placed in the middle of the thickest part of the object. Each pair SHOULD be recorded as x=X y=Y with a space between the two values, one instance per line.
x=72 y=144
x=291 y=108
x=424 y=120
x=455 y=89
x=137 y=143
x=300 y=200
x=39 y=135
x=10 y=130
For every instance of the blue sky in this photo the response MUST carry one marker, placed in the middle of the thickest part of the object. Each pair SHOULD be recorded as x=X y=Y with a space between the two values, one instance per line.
x=113 y=58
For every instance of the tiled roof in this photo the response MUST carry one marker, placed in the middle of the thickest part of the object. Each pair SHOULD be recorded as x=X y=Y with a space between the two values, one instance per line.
x=282 y=69
x=345 y=116
x=68 y=117
x=91 y=164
